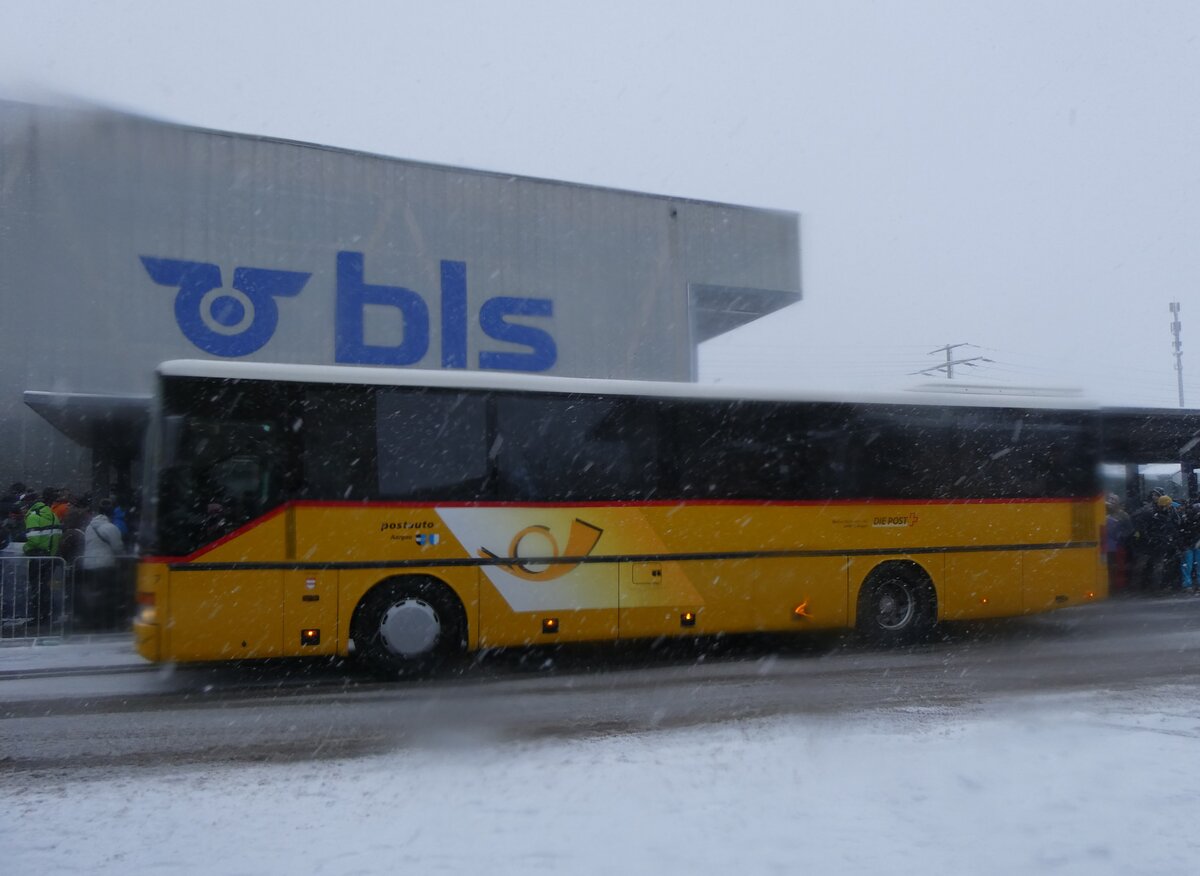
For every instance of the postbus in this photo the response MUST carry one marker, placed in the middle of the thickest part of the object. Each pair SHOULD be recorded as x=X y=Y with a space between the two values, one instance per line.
x=404 y=516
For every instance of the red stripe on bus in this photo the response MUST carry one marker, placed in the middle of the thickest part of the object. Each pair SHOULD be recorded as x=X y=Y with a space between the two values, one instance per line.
x=655 y=503
x=667 y=503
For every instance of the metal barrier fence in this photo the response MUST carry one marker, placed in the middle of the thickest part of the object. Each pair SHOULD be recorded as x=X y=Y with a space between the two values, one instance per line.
x=32 y=597
x=46 y=596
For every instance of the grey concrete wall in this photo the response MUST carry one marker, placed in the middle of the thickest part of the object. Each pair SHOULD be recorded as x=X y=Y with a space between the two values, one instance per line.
x=84 y=195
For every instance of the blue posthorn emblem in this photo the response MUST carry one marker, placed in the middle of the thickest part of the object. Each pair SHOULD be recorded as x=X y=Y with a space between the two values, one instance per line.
x=225 y=322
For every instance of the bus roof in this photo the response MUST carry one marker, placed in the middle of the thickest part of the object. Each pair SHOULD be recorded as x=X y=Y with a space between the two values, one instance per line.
x=966 y=395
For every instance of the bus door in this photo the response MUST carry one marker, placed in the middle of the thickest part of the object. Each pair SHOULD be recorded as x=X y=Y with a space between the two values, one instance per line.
x=222 y=479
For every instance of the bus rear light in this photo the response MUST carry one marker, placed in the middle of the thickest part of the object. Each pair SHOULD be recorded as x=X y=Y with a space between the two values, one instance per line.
x=550 y=625
x=310 y=637
x=687 y=619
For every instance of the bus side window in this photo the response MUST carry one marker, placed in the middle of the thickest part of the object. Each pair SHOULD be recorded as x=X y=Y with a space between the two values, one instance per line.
x=576 y=448
x=335 y=425
x=431 y=444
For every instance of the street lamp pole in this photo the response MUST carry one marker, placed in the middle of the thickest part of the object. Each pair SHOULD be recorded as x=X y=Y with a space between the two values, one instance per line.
x=1176 y=328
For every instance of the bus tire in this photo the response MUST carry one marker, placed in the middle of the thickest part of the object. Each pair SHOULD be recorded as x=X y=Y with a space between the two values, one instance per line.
x=408 y=626
x=897 y=605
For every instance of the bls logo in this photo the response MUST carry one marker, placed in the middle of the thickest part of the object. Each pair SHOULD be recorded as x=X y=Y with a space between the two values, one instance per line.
x=239 y=321
x=225 y=322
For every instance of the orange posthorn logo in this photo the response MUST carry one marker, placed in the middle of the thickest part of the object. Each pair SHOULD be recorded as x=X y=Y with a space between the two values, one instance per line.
x=580 y=543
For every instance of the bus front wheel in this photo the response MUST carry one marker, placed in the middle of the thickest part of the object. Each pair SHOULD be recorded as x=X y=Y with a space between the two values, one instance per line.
x=408 y=626
x=896 y=606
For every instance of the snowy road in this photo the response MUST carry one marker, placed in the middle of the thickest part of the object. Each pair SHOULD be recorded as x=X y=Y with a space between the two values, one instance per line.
x=1056 y=745
x=131 y=720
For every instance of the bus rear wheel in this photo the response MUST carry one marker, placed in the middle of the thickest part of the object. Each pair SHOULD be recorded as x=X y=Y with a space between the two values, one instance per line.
x=896 y=606
x=408 y=626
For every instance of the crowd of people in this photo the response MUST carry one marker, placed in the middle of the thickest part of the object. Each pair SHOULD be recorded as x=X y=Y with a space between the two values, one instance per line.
x=90 y=538
x=1156 y=549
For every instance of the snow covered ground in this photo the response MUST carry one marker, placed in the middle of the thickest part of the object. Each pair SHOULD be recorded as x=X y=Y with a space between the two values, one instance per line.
x=1075 y=784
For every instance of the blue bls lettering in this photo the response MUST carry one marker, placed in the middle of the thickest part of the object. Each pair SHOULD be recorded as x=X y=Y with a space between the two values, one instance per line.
x=353 y=294
x=221 y=321
x=542 y=351
x=454 y=314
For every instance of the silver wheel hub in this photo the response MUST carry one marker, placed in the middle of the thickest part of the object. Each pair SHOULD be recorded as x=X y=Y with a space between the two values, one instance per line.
x=896 y=607
x=410 y=627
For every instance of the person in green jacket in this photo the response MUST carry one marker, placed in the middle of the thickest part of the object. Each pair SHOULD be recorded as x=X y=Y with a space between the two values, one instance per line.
x=43 y=533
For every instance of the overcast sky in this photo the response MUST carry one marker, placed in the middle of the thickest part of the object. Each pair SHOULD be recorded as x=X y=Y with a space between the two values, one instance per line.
x=1023 y=176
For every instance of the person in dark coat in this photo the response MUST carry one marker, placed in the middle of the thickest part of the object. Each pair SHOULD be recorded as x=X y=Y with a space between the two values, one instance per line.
x=74 y=522
x=1156 y=536
x=12 y=515
x=1189 y=548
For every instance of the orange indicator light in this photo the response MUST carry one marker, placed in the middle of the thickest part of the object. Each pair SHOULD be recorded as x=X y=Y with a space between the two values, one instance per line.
x=983 y=601
x=801 y=610
x=549 y=625
x=310 y=637
x=687 y=619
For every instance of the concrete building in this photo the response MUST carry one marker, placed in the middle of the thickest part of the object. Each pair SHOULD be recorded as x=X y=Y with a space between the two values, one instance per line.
x=125 y=242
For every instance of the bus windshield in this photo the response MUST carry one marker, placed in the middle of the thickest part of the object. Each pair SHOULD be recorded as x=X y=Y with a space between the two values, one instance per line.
x=224 y=474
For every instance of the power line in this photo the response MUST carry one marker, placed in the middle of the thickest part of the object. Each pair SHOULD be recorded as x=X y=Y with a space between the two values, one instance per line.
x=948 y=365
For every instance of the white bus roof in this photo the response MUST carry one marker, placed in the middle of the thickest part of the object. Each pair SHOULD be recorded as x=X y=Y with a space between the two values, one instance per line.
x=966 y=395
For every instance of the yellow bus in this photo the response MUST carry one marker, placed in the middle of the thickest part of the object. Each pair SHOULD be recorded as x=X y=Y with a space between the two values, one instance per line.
x=404 y=516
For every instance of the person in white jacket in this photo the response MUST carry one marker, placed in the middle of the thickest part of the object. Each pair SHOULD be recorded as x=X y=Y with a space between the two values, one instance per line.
x=98 y=600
